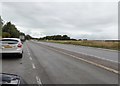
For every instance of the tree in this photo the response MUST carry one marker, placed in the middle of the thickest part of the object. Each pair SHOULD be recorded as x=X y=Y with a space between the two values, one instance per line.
x=56 y=37
x=1 y=24
x=65 y=37
x=6 y=35
x=21 y=33
x=28 y=37
x=11 y=29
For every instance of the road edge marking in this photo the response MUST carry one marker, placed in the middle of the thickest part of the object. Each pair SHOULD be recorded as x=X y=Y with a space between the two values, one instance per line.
x=30 y=58
x=38 y=80
x=33 y=65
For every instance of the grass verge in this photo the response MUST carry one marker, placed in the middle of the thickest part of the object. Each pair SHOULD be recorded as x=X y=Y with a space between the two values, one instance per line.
x=97 y=44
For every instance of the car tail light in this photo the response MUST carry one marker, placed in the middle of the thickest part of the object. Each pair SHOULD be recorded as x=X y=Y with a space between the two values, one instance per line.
x=20 y=45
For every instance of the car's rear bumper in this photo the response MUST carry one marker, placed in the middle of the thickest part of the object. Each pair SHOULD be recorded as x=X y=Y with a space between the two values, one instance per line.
x=6 y=54
x=12 y=52
x=9 y=55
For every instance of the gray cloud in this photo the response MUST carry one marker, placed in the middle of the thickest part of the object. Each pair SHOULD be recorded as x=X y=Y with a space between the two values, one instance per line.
x=92 y=20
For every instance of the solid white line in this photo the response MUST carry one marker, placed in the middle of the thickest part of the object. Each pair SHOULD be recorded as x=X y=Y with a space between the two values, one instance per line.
x=98 y=65
x=30 y=58
x=33 y=66
x=108 y=50
x=38 y=80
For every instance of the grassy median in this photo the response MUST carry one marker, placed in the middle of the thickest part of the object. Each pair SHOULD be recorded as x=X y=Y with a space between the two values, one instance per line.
x=97 y=44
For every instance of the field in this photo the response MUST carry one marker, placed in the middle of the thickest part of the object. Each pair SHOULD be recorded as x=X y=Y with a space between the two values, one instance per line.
x=97 y=44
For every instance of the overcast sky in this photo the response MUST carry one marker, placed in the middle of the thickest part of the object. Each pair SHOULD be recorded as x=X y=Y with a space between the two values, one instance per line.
x=91 y=20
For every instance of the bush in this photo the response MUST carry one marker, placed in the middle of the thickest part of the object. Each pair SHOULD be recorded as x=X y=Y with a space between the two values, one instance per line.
x=6 y=35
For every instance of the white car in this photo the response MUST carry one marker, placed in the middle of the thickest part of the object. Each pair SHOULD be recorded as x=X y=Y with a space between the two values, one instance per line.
x=12 y=46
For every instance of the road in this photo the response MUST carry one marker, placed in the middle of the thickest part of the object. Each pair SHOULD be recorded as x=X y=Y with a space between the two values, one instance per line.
x=106 y=54
x=44 y=64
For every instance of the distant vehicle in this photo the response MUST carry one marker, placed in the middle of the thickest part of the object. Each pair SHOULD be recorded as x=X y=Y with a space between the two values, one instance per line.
x=22 y=38
x=12 y=46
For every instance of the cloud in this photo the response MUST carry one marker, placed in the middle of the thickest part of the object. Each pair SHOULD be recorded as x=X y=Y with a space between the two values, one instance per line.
x=0 y=8
x=92 y=20
x=59 y=0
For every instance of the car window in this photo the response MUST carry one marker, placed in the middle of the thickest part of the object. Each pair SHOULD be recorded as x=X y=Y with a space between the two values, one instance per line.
x=9 y=41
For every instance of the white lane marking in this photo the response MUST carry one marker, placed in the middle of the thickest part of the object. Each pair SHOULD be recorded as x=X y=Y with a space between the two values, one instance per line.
x=38 y=80
x=98 y=65
x=91 y=55
x=30 y=58
x=33 y=66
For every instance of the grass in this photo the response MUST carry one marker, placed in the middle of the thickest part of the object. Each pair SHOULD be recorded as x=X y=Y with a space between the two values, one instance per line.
x=97 y=44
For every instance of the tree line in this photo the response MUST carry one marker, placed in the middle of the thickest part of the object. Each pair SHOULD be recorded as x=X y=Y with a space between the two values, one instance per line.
x=1 y=23
x=9 y=30
x=56 y=37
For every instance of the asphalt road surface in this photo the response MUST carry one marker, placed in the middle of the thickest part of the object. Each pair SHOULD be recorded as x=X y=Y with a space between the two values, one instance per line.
x=106 y=54
x=43 y=65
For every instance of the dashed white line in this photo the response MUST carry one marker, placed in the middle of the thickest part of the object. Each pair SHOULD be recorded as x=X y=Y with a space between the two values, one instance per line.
x=28 y=52
x=38 y=80
x=30 y=58
x=33 y=66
